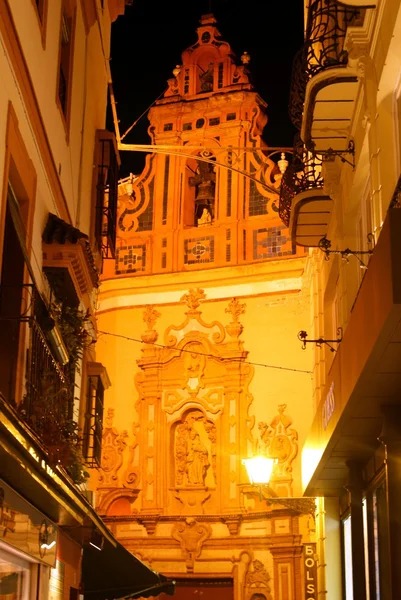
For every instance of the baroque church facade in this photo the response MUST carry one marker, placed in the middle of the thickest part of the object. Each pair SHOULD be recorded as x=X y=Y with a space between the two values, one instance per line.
x=204 y=373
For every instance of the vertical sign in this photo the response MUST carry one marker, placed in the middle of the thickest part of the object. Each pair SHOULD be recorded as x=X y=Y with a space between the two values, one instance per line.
x=310 y=569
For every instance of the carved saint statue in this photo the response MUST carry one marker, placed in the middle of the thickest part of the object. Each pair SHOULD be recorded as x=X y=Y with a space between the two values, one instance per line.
x=206 y=79
x=197 y=459
x=205 y=183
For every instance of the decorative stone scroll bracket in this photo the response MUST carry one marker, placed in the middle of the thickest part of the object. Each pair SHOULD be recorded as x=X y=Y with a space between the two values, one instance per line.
x=114 y=444
x=233 y=523
x=149 y=522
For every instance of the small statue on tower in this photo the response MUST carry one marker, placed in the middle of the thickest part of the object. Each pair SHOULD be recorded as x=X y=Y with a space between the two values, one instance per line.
x=205 y=183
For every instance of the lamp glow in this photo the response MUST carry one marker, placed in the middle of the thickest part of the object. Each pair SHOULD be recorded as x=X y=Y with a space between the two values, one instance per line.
x=259 y=469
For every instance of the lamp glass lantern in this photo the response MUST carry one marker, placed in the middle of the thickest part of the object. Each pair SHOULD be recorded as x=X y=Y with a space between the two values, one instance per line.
x=259 y=469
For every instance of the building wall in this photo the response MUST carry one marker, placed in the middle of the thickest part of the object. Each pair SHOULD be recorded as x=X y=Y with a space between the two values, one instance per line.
x=191 y=339
x=355 y=287
x=48 y=158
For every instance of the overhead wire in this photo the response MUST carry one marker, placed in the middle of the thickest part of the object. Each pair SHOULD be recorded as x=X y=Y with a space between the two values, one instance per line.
x=205 y=354
x=142 y=115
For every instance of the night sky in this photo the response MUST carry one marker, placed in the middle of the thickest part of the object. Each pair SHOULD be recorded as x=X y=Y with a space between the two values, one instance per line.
x=148 y=40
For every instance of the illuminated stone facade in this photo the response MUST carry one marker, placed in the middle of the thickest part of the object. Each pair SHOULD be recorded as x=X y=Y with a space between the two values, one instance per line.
x=199 y=315
x=192 y=208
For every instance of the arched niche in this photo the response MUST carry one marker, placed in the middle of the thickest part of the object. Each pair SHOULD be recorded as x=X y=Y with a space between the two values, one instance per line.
x=121 y=506
x=199 y=191
x=193 y=450
x=205 y=71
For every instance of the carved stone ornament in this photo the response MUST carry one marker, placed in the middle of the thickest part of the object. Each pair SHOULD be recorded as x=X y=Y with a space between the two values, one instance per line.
x=193 y=298
x=149 y=522
x=213 y=331
x=150 y=316
x=191 y=535
x=257 y=581
x=113 y=447
x=235 y=309
x=280 y=441
x=233 y=523
x=132 y=474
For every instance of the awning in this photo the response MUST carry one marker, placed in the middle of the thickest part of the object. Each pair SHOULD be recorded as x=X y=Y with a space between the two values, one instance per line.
x=114 y=573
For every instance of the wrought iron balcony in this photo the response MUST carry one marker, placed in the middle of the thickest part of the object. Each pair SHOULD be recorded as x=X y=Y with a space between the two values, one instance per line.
x=323 y=51
x=47 y=403
x=304 y=207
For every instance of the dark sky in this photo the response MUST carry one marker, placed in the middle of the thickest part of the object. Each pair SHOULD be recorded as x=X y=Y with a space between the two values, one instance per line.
x=148 y=40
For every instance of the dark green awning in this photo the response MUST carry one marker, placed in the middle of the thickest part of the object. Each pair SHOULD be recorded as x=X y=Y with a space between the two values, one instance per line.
x=114 y=573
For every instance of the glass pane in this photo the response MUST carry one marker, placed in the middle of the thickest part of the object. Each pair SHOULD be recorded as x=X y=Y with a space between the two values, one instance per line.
x=348 y=558
x=13 y=581
x=366 y=545
x=380 y=537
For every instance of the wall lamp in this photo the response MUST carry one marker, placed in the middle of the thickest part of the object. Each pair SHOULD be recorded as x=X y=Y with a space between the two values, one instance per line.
x=302 y=335
x=325 y=247
x=259 y=469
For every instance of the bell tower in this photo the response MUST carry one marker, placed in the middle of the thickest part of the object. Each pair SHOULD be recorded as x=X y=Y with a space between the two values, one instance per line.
x=208 y=196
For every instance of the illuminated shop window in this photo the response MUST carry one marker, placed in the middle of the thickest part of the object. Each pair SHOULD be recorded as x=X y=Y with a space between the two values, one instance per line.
x=14 y=577
x=347 y=543
x=366 y=545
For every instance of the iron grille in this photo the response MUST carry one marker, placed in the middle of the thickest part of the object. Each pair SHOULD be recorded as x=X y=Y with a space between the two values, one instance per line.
x=107 y=194
x=303 y=174
x=327 y=25
x=92 y=445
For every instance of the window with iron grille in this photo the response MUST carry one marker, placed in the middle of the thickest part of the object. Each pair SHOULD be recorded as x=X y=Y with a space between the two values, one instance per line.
x=92 y=443
x=107 y=194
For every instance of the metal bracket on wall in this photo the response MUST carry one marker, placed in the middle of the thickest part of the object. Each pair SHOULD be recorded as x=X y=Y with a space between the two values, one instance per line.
x=302 y=335
x=325 y=247
x=330 y=154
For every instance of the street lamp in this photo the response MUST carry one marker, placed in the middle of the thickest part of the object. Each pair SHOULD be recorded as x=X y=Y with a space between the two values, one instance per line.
x=259 y=469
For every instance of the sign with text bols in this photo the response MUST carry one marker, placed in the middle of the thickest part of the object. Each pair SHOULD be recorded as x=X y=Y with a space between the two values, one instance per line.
x=310 y=570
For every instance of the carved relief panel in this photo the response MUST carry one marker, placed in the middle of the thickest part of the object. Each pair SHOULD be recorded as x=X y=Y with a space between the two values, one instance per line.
x=193 y=410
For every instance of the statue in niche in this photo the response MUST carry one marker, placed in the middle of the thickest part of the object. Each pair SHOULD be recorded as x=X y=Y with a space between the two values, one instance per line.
x=197 y=459
x=205 y=184
x=206 y=79
x=192 y=455
x=205 y=219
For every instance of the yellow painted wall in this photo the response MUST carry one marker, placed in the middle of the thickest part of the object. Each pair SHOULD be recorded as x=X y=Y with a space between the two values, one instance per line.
x=271 y=324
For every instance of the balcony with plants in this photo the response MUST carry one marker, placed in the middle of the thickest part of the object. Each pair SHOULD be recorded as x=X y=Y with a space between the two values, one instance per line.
x=325 y=82
x=55 y=336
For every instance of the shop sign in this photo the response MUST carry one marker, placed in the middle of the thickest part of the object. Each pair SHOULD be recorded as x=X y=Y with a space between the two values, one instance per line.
x=310 y=570
x=328 y=406
x=26 y=528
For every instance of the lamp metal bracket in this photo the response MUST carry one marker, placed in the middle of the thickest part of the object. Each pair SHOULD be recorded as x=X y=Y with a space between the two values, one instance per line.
x=325 y=247
x=302 y=335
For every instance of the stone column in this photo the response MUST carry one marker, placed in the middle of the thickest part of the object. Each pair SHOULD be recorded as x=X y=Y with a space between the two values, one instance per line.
x=391 y=437
x=355 y=488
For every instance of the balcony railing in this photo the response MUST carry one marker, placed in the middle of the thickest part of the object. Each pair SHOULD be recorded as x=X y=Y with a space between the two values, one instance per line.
x=106 y=201
x=327 y=25
x=47 y=404
x=303 y=174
